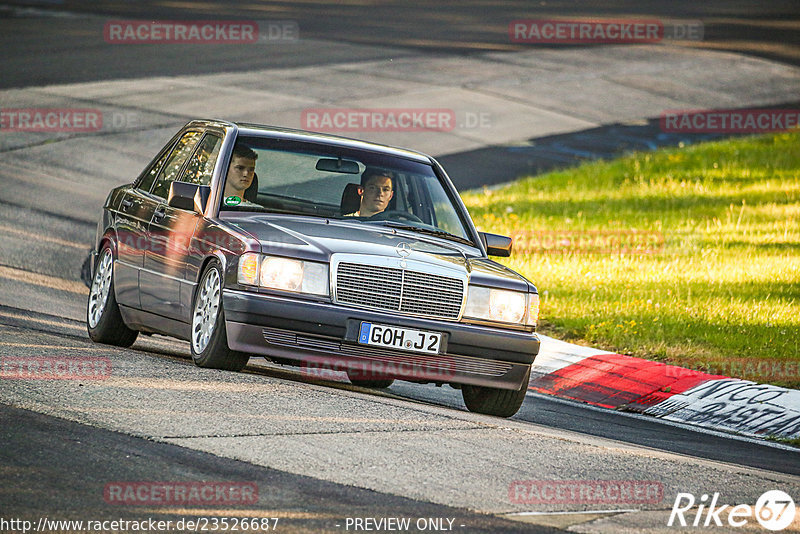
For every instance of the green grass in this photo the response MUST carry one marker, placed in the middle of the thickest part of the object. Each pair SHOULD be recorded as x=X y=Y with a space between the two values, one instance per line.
x=720 y=294
x=794 y=442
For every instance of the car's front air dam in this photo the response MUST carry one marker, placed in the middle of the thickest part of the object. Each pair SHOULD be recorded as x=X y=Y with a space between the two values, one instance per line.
x=328 y=320
x=320 y=355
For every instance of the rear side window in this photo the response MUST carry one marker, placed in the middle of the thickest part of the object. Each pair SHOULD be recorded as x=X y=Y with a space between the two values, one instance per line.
x=201 y=166
x=183 y=148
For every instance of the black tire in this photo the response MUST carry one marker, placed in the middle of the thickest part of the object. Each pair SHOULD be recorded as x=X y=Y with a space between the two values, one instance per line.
x=494 y=401
x=209 y=340
x=103 y=318
x=377 y=383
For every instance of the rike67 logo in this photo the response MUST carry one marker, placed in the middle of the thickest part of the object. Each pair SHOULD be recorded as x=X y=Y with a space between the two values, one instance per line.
x=774 y=510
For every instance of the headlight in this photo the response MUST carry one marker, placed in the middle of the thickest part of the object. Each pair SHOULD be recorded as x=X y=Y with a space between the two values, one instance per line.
x=283 y=273
x=496 y=305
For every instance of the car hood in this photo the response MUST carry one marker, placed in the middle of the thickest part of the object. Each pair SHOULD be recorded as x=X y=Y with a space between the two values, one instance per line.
x=318 y=239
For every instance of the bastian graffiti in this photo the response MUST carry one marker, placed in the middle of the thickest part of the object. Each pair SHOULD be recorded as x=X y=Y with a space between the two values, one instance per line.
x=736 y=405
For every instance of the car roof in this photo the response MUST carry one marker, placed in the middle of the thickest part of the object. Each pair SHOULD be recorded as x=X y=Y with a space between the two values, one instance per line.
x=246 y=128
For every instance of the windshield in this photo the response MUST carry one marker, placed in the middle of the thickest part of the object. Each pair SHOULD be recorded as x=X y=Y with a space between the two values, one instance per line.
x=280 y=176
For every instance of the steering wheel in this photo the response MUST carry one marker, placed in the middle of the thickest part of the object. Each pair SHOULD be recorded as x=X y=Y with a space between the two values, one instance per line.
x=396 y=214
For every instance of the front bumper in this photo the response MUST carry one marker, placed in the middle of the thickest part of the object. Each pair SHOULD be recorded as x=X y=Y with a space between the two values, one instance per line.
x=323 y=335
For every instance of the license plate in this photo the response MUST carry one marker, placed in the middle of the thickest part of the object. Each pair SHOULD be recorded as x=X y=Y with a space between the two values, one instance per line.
x=394 y=337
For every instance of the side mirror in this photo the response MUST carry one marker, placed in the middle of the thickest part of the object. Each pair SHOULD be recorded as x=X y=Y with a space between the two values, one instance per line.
x=497 y=245
x=188 y=196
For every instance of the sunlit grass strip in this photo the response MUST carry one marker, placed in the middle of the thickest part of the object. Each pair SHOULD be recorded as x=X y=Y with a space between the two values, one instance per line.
x=722 y=288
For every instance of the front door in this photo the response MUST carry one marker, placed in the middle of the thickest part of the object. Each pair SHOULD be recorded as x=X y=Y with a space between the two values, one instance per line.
x=170 y=233
x=134 y=212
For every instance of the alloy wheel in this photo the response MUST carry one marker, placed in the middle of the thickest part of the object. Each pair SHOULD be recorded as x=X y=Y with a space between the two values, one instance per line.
x=101 y=285
x=206 y=309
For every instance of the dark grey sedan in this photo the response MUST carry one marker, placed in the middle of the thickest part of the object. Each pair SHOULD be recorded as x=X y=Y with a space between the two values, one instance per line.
x=317 y=251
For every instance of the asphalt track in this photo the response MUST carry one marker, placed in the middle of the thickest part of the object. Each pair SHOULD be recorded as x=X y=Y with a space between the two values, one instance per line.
x=162 y=424
x=58 y=467
x=383 y=30
x=67 y=456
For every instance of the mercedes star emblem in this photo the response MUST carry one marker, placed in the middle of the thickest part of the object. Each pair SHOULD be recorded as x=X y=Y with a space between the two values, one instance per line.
x=403 y=249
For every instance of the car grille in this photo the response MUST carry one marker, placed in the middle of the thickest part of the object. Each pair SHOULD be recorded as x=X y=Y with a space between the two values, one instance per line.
x=393 y=289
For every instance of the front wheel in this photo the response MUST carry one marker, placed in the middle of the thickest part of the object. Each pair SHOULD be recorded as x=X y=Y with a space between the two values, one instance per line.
x=494 y=401
x=103 y=318
x=209 y=338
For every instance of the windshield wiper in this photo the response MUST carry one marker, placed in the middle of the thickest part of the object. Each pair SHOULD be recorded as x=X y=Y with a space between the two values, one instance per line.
x=430 y=231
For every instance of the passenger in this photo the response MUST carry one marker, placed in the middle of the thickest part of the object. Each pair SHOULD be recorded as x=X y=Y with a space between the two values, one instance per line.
x=376 y=190
x=240 y=172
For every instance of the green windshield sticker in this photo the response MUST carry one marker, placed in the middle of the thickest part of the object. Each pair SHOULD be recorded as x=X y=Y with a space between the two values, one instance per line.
x=232 y=200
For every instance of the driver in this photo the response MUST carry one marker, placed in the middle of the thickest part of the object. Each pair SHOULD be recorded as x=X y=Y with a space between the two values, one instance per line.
x=376 y=190
x=240 y=172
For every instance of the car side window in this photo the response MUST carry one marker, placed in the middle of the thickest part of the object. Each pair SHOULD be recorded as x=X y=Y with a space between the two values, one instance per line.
x=201 y=166
x=442 y=212
x=183 y=148
x=147 y=181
